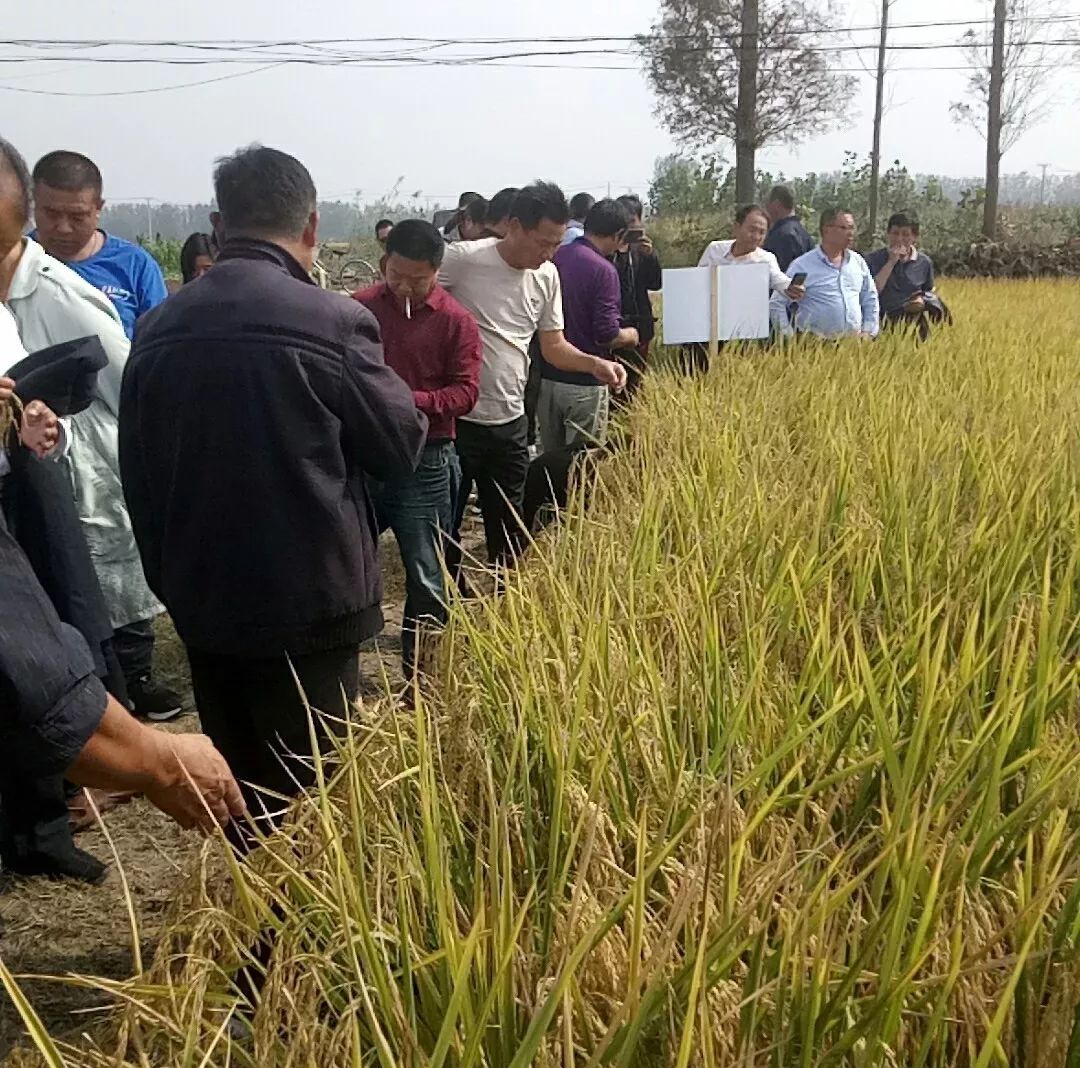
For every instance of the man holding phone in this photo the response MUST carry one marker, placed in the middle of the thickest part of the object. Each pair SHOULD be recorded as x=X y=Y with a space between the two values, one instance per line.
x=640 y=274
x=751 y=226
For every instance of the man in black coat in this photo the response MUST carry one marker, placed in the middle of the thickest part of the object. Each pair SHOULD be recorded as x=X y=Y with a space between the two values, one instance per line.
x=253 y=405
x=787 y=238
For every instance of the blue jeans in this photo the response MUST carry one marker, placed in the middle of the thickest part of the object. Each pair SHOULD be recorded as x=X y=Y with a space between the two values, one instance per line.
x=419 y=509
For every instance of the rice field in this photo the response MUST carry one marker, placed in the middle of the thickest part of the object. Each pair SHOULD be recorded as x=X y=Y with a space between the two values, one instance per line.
x=767 y=757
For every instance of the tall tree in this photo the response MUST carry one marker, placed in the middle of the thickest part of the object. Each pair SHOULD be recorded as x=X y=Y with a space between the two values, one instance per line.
x=1007 y=90
x=750 y=72
x=746 y=105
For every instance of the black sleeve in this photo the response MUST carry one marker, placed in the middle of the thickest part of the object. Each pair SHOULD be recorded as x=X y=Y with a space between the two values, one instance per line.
x=652 y=277
x=384 y=431
x=50 y=700
x=135 y=478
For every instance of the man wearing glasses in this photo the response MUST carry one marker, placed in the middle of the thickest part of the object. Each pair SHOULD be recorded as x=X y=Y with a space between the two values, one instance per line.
x=841 y=297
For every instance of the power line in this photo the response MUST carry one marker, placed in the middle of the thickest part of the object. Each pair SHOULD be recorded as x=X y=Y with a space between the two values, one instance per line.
x=140 y=92
x=404 y=59
x=241 y=42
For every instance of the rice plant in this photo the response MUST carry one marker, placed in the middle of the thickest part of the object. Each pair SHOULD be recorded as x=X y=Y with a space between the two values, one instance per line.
x=766 y=756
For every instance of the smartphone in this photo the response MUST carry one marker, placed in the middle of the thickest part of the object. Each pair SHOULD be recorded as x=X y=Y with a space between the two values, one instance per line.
x=634 y=236
x=799 y=279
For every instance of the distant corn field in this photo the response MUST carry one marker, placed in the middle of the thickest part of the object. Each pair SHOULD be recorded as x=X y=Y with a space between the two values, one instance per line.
x=767 y=758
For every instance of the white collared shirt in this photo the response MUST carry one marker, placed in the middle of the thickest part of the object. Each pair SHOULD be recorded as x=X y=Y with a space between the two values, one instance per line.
x=719 y=254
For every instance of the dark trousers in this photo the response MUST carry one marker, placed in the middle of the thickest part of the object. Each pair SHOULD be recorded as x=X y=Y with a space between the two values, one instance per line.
x=532 y=387
x=134 y=648
x=35 y=815
x=254 y=713
x=496 y=458
x=419 y=509
x=34 y=811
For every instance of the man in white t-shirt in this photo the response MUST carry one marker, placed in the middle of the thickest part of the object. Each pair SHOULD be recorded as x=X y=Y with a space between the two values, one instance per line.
x=512 y=289
x=751 y=228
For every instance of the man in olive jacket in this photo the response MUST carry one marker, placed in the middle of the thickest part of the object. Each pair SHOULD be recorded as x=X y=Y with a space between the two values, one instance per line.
x=253 y=405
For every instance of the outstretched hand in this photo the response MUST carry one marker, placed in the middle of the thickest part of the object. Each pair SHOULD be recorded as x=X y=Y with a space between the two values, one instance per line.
x=195 y=786
x=611 y=373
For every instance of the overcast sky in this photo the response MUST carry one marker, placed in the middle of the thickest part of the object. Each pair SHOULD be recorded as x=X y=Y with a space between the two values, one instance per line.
x=444 y=130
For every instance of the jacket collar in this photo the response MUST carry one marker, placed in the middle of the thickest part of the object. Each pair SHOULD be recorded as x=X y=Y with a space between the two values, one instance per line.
x=33 y=262
x=250 y=248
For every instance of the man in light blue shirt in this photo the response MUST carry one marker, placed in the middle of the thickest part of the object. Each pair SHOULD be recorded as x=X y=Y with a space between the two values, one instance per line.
x=841 y=297
x=580 y=206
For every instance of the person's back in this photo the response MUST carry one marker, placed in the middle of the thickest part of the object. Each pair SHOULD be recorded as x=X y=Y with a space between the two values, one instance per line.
x=266 y=399
x=588 y=280
x=787 y=238
x=252 y=406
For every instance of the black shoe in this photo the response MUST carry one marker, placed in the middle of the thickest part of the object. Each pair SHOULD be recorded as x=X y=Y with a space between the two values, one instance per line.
x=150 y=700
x=67 y=863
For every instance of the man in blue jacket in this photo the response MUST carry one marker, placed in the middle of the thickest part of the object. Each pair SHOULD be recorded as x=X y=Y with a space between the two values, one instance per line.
x=253 y=406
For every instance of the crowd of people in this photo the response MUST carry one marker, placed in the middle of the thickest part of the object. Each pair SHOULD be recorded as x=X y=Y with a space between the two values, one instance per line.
x=231 y=453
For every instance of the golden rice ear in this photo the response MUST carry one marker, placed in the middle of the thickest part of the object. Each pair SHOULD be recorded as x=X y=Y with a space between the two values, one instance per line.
x=10 y=421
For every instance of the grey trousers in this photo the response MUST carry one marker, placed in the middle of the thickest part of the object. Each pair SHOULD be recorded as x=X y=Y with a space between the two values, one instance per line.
x=569 y=414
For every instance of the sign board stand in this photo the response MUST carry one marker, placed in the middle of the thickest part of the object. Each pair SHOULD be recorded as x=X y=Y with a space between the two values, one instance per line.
x=714 y=313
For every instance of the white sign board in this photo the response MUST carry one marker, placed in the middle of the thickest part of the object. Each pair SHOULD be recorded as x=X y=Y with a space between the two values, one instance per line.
x=742 y=303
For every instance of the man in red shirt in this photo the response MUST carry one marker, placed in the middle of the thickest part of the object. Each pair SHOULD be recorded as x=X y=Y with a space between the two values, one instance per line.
x=433 y=343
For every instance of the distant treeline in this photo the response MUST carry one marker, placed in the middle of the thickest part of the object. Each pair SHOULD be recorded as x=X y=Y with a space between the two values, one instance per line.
x=344 y=220
x=341 y=220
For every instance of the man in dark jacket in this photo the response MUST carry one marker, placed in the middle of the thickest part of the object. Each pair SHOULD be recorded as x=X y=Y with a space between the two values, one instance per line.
x=787 y=238
x=253 y=405
x=640 y=274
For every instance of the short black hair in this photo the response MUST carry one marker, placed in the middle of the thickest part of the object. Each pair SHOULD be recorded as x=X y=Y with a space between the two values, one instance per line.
x=744 y=213
x=539 y=201
x=11 y=162
x=415 y=239
x=263 y=191
x=783 y=196
x=70 y=171
x=195 y=246
x=633 y=203
x=581 y=204
x=904 y=220
x=500 y=204
x=830 y=215
x=476 y=211
x=381 y=223
x=466 y=199
x=607 y=218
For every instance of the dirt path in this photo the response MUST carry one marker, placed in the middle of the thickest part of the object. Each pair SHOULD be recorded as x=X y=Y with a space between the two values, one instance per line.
x=62 y=928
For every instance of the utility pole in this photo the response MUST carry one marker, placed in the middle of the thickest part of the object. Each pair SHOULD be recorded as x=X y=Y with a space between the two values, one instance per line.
x=149 y=221
x=1042 y=184
x=746 y=108
x=879 y=108
x=993 y=123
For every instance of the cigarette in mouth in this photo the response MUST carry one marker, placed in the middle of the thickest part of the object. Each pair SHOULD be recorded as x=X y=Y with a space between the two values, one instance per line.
x=408 y=308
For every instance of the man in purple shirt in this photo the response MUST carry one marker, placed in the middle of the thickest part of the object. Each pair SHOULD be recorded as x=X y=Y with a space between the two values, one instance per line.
x=573 y=406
